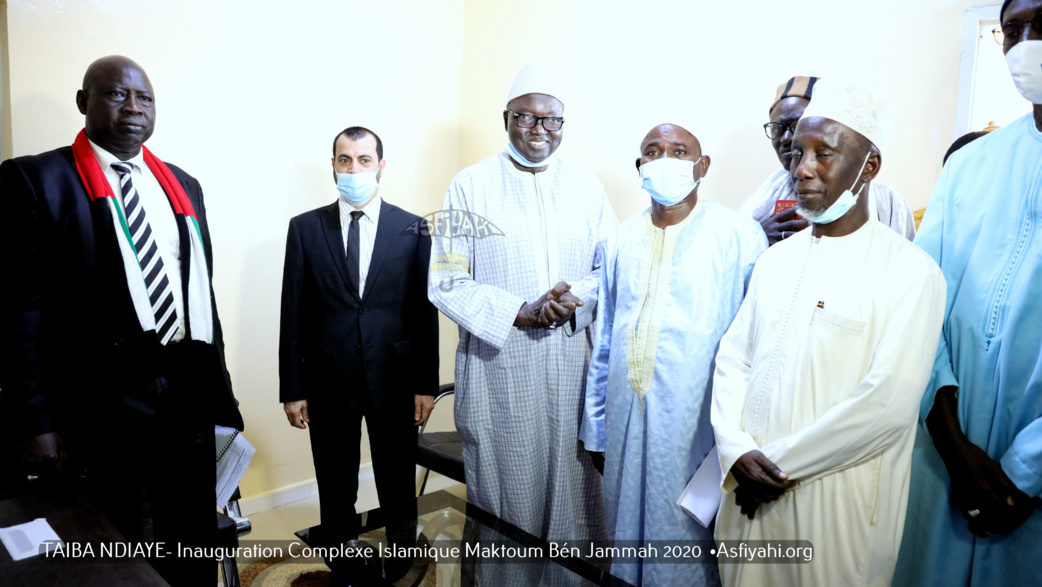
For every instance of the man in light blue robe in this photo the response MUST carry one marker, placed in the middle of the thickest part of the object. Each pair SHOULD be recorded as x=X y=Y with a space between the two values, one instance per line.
x=673 y=281
x=974 y=515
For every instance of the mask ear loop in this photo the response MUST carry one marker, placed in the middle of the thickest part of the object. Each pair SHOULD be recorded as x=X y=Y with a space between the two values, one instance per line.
x=698 y=181
x=860 y=173
x=697 y=161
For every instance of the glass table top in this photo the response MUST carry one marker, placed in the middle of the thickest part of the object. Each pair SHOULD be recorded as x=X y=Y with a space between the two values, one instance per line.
x=461 y=544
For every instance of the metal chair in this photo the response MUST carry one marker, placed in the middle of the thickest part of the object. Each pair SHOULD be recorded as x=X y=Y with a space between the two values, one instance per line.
x=440 y=451
x=230 y=526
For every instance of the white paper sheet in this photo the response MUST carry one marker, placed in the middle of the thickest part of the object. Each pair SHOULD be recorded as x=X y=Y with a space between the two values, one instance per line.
x=233 y=462
x=25 y=540
x=702 y=496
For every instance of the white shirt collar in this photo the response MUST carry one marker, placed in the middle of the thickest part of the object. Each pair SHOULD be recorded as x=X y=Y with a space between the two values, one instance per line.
x=106 y=159
x=371 y=208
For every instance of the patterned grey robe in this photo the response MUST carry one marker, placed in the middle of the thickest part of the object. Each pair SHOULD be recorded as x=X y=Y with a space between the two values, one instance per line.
x=519 y=391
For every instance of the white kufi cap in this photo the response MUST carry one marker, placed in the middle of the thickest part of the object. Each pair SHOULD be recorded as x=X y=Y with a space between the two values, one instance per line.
x=537 y=78
x=863 y=111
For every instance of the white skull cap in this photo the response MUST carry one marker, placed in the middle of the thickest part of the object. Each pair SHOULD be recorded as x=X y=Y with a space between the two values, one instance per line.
x=537 y=78
x=861 y=110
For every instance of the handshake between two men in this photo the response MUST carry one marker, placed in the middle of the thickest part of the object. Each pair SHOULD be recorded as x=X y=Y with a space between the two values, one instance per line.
x=550 y=310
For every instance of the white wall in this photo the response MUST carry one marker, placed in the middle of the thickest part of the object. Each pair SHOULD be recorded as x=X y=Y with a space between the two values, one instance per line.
x=5 y=87
x=723 y=61
x=250 y=94
x=249 y=98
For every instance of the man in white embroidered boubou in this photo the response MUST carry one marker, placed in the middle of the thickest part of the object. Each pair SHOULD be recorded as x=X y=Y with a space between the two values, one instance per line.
x=818 y=380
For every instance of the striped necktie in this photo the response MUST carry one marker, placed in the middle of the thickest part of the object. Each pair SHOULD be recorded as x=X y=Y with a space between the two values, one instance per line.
x=160 y=294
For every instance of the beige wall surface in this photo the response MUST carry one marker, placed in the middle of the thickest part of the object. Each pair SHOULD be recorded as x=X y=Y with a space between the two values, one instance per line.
x=718 y=64
x=5 y=87
x=250 y=94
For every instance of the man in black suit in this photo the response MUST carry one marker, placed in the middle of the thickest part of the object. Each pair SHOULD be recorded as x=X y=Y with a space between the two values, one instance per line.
x=359 y=338
x=110 y=340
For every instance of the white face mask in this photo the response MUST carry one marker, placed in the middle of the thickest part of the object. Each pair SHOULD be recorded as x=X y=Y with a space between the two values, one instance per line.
x=1025 y=65
x=669 y=180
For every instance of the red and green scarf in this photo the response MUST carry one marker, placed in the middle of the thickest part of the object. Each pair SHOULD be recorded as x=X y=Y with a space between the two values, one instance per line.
x=199 y=313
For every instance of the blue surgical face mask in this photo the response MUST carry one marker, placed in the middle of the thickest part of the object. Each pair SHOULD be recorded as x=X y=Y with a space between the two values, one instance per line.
x=669 y=180
x=520 y=159
x=839 y=208
x=357 y=188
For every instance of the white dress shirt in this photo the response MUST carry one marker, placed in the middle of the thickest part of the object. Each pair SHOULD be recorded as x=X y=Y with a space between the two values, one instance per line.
x=160 y=216
x=366 y=238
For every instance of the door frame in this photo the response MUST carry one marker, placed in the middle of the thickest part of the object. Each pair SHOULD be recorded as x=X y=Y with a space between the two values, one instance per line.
x=970 y=29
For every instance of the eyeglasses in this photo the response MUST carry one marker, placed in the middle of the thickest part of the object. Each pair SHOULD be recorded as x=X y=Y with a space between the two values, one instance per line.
x=1015 y=29
x=550 y=123
x=776 y=130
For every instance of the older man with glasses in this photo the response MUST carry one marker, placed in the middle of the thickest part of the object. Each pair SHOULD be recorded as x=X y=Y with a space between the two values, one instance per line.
x=524 y=299
x=974 y=513
x=773 y=204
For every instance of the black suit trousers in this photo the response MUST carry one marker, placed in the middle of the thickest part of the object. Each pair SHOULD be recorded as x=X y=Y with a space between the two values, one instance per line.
x=336 y=430
x=167 y=472
x=154 y=452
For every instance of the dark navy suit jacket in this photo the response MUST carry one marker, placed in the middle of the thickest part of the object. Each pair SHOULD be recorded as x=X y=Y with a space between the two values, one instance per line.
x=71 y=346
x=381 y=348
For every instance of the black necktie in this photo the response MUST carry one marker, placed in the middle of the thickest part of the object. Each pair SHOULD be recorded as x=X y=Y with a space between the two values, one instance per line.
x=160 y=295
x=352 y=251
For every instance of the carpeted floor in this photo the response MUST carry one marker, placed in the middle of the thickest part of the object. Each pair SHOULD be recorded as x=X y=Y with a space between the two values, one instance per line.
x=441 y=525
x=284 y=572
x=288 y=572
